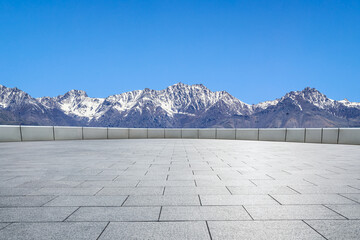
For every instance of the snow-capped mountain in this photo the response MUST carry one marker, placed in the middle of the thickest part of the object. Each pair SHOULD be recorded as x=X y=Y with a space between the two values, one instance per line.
x=179 y=105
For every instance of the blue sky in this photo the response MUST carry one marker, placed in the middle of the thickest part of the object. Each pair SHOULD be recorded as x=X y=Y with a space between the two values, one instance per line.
x=255 y=50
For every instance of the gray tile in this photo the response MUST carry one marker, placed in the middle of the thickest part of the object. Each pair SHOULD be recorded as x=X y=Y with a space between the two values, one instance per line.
x=50 y=184
x=312 y=199
x=156 y=230
x=3 y=225
x=24 y=201
x=143 y=167
x=132 y=191
x=196 y=191
x=291 y=212
x=174 y=200
x=101 y=201
x=353 y=196
x=253 y=190
x=152 y=183
x=237 y=200
x=116 y=214
x=89 y=178
x=262 y=230
x=207 y=183
x=66 y=191
x=7 y=191
x=46 y=231
x=286 y=182
x=183 y=177
x=337 y=229
x=96 y=184
x=35 y=214
x=324 y=189
x=349 y=211
x=204 y=213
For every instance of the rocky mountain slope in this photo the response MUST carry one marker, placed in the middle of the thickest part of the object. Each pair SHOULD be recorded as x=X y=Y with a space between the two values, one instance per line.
x=179 y=105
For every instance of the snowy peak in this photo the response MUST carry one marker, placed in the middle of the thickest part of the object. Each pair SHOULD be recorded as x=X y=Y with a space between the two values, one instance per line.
x=182 y=105
x=11 y=97
x=179 y=98
x=74 y=103
x=347 y=103
x=75 y=94
x=309 y=95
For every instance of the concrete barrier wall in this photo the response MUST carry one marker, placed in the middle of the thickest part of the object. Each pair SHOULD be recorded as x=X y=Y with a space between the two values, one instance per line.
x=68 y=133
x=138 y=133
x=330 y=135
x=247 y=134
x=37 y=133
x=10 y=133
x=190 y=133
x=295 y=135
x=95 y=133
x=349 y=136
x=207 y=133
x=313 y=135
x=172 y=133
x=273 y=134
x=156 y=133
x=118 y=133
x=224 y=133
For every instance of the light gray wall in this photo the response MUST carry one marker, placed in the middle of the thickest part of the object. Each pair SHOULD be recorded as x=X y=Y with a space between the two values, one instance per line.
x=349 y=136
x=247 y=134
x=295 y=134
x=37 y=133
x=10 y=133
x=273 y=134
x=95 y=133
x=68 y=133
x=309 y=135
x=156 y=133
x=138 y=133
x=330 y=135
x=313 y=135
x=172 y=133
x=225 y=133
x=118 y=133
x=207 y=133
x=190 y=133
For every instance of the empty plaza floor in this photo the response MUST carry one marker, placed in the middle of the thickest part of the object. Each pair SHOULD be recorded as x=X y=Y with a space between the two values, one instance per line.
x=179 y=189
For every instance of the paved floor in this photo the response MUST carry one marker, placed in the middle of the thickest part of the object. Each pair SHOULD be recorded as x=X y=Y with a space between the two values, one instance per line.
x=179 y=189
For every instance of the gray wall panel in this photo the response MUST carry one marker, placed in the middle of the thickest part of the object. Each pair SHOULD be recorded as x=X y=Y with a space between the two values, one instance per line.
x=37 y=133
x=68 y=133
x=172 y=133
x=207 y=133
x=118 y=133
x=9 y=133
x=273 y=134
x=330 y=135
x=190 y=133
x=295 y=134
x=313 y=135
x=94 y=133
x=156 y=133
x=224 y=133
x=247 y=134
x=138 y=133
x=349 y=136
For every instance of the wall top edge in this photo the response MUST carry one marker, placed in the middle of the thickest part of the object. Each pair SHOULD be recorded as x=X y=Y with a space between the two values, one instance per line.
x=25 y=126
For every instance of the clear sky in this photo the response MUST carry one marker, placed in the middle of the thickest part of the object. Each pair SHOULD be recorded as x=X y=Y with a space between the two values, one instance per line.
x=255 y=50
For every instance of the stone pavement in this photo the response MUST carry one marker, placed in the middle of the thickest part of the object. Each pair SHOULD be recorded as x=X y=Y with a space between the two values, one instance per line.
x=179 y=189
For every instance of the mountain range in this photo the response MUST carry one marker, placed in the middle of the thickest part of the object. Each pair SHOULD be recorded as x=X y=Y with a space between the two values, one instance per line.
x=179 y=105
